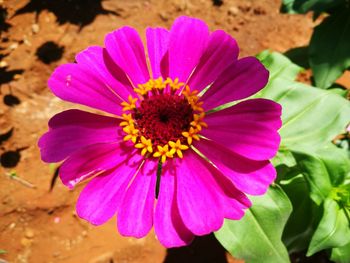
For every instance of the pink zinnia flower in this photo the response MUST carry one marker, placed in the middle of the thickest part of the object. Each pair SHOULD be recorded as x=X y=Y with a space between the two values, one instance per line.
x=161 y=132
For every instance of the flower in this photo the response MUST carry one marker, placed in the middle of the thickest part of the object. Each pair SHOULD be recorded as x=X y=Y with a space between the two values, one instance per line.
x=164 y=155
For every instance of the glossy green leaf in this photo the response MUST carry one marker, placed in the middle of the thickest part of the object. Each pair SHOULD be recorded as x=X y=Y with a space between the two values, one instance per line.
x=341 y=254
x=333 y=230
x=329 y=52
x=323 y=170
x=303 y=6
x=311 y=117
x=305 y=216
x=257 y=237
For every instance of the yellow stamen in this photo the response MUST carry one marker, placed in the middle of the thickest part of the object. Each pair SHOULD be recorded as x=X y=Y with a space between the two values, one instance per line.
x=145 y=145
x=159 y=83
x=132 y=133
x=190 y=94
x=197 y=105
x=198 y=122
x=131 y=105
x=177 y=147
x=141 y=89
x=174 y=84
x=190 y=135
x=163 y=152
x=127 y=120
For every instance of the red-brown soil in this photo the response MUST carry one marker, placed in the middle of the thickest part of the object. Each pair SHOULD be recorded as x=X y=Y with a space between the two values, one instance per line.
x=37 y=225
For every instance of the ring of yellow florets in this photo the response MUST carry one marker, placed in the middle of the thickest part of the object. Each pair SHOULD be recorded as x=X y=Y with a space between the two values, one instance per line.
x=160 y=122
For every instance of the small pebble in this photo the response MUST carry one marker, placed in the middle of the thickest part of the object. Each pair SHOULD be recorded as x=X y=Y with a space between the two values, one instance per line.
x=164 y=16
x=233 y=11
x=3 y=64
x=29 y=233
x=13 y=46
x=35 y=28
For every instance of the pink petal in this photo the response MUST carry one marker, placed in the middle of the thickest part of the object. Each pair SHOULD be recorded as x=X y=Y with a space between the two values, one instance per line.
x=93 y=159
x=74 y=129
x=242 y=79
x=97 y=60
x=135 y=216
x=102 y=196
x=168 y=225
x=221 y=52
x=198 y=199
x=248 y=128
x=74 y=83
x=249 y=176
x=126 y=49
x=188 y=40
x=157 y=45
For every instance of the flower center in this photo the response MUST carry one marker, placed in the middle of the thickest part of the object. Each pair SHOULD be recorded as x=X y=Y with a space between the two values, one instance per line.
x=163 y=118
x=163 y=124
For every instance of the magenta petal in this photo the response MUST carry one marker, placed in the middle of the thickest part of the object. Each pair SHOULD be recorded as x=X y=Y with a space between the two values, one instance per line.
x=74 y=83
x=97 y=60
x=135 y=216
x=188 y=40
x=242 y=79
x=221 y=52
x=74 y=129
x=102 y=196
x=157 y=45
x=248 y=128
x=249 y=176
x=168 y=225
x=125 y=47
x=198 y=196
x=93 y=159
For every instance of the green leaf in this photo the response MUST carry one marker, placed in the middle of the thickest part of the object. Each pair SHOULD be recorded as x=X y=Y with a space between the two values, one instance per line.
x=2 y=251
x=323 y=170
x=257 y=237
x=329 y=52
x=333 y=230
x=303 y=6
x=311 y=117
x=341 y=254
x=278 y=65
x=305 y=216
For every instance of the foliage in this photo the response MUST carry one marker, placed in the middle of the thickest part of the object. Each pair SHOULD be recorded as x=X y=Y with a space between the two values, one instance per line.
x=313 y=176
x=328 y=52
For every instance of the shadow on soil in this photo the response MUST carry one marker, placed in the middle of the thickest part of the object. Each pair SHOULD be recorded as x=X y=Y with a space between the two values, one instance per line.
x=49 y=52
x=77 y=12
x=4 y=26
x=204 y=249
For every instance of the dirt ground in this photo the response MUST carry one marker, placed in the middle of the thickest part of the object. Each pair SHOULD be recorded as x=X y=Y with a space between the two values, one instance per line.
x=37 y=225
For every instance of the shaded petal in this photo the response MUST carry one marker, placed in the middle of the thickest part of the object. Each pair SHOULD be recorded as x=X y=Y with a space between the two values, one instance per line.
x=135 y=216
x=157 y=45
x=248 y=128
x=221 y=52
x=125 y=47
x=74 y=83
x=249 y=176
x=93 y=159
x=168 y=225
x=102 y=196
x=97 y=60
x=197 y=195
x=188 y=40
x=72 y=130
x=242 y=79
